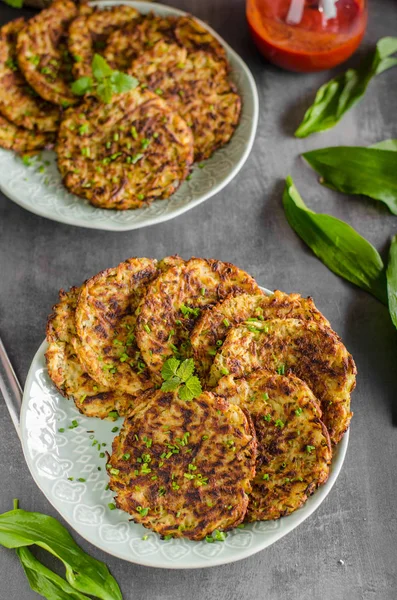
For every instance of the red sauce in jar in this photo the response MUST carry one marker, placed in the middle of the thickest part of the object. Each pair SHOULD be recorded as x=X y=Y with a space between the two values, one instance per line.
x=300 y=38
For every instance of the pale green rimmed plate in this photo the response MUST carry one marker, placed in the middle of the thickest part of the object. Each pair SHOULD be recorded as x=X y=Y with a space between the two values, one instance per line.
x=54 y=456
x=39 y=189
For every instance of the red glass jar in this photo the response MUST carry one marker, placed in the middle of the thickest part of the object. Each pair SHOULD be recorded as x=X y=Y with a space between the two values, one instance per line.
x=304 y=35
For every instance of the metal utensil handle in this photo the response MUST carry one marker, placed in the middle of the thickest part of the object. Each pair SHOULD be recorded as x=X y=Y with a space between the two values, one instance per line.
x=10 y=388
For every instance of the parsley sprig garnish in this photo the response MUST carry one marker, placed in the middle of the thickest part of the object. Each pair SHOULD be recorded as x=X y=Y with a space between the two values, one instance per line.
x=104 y=81
x=179 y=376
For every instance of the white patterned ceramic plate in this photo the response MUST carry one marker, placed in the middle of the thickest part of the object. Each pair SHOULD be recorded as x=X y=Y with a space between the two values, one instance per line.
x=39 y=189
x=54 y=457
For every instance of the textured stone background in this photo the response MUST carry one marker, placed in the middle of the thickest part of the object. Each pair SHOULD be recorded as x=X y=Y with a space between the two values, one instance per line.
x=244 y=224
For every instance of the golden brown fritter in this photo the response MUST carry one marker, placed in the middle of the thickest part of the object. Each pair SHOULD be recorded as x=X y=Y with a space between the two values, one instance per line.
x=293 y=445
x=183 y=469
x=43 y=56
x=124 y=154
x=192 y=35
x=22 y=140
x=66 y=370
x=309 y=350
x=194 y=84
x=124 y=45
x=88 y=34
x=105 y=325
x=19 y=103
x=174 y=301
x=212 y=327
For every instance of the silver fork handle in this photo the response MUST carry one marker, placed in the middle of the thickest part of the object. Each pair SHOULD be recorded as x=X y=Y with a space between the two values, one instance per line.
x=10 y=388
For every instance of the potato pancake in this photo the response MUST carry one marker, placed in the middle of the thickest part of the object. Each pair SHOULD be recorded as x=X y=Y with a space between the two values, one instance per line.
x=193 y=36
x=212 y=327
x=19 y=103
x=88 y=34
x=43 y=55
x=23 y=141
x=124 y=45
x=124 y=154
x=127 y=44
x=309 y=350
x=293 y=445
x=194 y=84
x=105 y=325
x=66 y=370
x=174 y=301
x=183 y=469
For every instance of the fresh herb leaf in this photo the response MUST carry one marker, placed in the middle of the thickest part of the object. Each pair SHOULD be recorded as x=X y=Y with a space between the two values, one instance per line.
x=171 y=384
x=191 y=389
x=82 y=86
x=391 y=274
x=100 y=68
x=170 y=368
x=43 y=581
x=337 y=96
x=123 y=82
x=105 y=81
x=104 y=89
x=386 y=145
x=179 y=376
x=336 y=244
x=186 y=369
x=356 y=170
x=19 y=528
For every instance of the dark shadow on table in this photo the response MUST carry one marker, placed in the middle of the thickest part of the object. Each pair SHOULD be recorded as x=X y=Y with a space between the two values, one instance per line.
x=372 y=339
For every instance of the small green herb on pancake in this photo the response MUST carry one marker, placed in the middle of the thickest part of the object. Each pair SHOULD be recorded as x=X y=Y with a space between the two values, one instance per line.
x=179 y=375
x=105 y=82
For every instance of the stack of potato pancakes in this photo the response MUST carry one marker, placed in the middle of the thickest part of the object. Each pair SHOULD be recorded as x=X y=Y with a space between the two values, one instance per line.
x=139 y=145
x=233 y=399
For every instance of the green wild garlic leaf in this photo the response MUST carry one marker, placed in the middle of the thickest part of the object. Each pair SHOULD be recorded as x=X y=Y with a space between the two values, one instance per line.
x=392 y=280
x=14 y=3
x=336 y=244
x=390 y=145
x=20 y=528
x=338 y=95
x=44 y=581
x=358 y=170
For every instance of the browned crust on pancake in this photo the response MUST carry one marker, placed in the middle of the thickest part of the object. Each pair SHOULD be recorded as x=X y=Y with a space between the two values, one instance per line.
x=43 y=56
x=188 y=464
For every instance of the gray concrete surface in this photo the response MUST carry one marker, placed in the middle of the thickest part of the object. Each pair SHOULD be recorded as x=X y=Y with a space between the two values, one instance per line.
x=244 y=224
